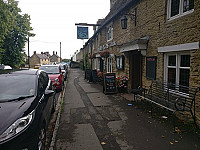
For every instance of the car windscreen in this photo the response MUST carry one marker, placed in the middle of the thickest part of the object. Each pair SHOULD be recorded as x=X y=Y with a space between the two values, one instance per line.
x=62 y=67
x=50 y=69
x=15 y=86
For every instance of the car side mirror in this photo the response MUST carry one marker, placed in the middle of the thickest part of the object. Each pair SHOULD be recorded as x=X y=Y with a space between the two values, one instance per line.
x=49 y=92
x=63 y=72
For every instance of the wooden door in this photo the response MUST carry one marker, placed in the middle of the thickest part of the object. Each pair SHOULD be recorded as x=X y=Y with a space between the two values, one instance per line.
x=135 y=69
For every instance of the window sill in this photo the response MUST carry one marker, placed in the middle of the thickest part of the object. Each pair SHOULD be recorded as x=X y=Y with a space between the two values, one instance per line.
x=179 y=15
x=109 y=40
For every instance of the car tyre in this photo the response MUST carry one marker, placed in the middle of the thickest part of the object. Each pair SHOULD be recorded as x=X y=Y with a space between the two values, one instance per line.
x=42 y=138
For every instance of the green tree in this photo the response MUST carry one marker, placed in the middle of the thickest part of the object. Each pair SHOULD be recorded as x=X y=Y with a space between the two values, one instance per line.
x=5 y=24
x=17 y=35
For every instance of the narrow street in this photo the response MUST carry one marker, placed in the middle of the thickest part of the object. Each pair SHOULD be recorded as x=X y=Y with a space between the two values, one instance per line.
x=91 y=120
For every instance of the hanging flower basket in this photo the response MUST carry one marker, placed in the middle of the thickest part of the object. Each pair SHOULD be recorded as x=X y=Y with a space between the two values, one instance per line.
x=105 y=54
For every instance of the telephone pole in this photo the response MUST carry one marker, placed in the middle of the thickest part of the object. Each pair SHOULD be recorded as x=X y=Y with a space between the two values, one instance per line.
x=28 y=55
x=60 y=53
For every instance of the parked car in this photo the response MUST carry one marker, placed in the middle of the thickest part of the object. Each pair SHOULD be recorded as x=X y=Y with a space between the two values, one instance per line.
x=27 y=98
x=5 y=67
x=55 y=74
x=37 y=66
x=64 y=70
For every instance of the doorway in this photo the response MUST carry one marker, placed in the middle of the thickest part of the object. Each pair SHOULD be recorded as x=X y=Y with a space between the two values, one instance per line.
x=135 y=65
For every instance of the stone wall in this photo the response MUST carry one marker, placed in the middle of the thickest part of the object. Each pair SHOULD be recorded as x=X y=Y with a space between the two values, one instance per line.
x=151 y=21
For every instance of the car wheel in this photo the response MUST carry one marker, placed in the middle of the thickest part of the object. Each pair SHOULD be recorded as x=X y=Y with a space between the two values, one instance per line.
x=42 y=138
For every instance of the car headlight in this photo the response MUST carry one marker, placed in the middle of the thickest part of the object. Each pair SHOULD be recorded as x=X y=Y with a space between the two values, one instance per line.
x=56 y=79
x=17 y=127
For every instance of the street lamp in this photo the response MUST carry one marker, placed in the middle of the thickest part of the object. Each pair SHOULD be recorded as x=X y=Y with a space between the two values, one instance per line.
x=132 y=16
x=124 y=22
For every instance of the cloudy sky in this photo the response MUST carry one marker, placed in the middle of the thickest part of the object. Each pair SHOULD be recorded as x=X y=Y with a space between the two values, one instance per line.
x=54 y=21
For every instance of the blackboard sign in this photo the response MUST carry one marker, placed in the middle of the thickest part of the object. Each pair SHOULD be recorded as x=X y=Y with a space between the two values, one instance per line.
x=87 y=74
x=94 y=76
x=109 y=83
x=151 y=67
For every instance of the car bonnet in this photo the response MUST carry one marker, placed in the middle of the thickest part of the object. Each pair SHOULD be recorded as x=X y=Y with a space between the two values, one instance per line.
x=11 y=111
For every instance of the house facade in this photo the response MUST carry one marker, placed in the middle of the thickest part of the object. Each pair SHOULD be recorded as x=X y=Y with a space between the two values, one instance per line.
x=54 y=58
x=42 y=59
x=149 y=40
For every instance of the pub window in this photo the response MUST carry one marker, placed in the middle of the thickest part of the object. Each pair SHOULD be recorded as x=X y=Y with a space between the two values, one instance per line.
x=120 y=62
x=177 y=68
x=177 y=8
x=109 y=33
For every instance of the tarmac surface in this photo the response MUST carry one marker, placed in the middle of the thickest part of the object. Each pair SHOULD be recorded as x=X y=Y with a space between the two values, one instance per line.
x=90 y=120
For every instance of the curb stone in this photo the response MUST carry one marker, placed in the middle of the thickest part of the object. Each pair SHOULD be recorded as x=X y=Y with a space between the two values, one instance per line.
x=53 y=139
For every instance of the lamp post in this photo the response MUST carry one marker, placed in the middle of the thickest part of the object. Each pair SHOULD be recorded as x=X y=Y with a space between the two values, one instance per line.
x=124 y=22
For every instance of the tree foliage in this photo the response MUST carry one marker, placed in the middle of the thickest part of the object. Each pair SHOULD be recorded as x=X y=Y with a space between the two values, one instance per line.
x=15 y=29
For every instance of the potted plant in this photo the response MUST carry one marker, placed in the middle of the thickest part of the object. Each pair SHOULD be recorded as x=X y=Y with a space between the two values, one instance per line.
x=122 y=83
x=100 y=76
x=94 y=55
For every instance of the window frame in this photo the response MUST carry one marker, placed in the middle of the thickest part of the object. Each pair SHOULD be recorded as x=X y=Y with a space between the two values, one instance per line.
x=177 y=67
x=181 y=13
x=109 y=32
x=119 y=62
x=109 y=65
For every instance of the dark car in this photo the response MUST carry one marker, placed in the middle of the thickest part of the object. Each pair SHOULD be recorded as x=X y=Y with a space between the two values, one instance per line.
x=55 y=74
x=64 y=69
x=27 y=99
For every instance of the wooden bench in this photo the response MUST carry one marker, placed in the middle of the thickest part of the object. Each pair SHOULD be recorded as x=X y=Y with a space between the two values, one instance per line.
x=171 y=97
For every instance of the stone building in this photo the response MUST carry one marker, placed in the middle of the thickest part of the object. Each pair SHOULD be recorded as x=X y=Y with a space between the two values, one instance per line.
x=150 y=40
x=54 y=58
x=41 y=59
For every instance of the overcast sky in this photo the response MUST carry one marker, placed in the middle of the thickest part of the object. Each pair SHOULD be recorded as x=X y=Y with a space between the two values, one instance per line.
x=53 y=21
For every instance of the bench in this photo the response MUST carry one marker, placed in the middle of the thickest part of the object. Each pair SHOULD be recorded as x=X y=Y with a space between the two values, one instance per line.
x=171 y=97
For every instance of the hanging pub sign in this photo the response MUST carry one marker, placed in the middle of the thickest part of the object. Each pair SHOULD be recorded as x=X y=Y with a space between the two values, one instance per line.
x=82 y=32
x=109 y=83
x=151 y=67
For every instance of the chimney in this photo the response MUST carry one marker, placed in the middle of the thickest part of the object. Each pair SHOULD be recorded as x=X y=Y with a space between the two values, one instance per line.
x=112 y=3
x=41 y=52
x=100 y=21
x=56 y=53
x=53 y=52
x=34 y=52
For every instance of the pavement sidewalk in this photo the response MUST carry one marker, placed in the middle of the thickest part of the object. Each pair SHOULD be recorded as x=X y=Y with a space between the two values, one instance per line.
x=91 y=120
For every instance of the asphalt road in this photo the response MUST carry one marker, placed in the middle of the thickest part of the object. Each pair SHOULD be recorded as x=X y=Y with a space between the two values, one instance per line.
x=91 y=120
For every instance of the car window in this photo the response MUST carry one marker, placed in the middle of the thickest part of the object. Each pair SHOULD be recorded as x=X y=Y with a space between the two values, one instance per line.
x=40 y=86
x=63 y=67
x=50 y=69
x=44 y=79
x=14 y=86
